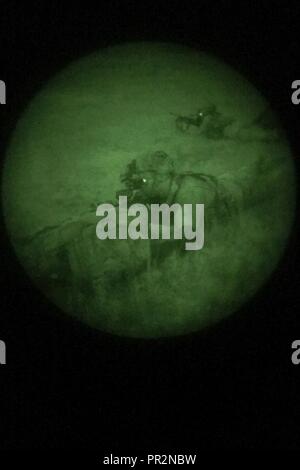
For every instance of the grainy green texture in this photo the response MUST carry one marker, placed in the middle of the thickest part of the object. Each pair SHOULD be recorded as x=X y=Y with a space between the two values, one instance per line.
x=75 y=140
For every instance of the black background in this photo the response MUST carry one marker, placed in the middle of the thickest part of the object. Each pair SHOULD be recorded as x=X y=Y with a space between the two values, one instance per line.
x=232 y=386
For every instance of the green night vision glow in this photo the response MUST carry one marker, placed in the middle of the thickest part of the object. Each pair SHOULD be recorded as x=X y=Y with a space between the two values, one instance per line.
x=159 y=124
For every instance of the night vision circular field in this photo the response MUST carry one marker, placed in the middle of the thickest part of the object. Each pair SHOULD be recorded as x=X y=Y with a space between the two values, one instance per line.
x=157 y=123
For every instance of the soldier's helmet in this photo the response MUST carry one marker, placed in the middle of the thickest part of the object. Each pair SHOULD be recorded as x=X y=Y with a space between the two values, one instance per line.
x=160 y=162
x=147 y=180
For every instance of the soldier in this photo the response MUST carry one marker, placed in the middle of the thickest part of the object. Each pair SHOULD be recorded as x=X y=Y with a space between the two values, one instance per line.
x=210 y=122
x=151 y=183
x=183 y=123
x=157 y=182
